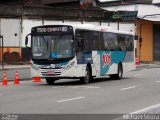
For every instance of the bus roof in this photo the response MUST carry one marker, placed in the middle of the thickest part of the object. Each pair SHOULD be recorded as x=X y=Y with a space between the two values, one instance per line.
x=92 y=27
x=100 y=28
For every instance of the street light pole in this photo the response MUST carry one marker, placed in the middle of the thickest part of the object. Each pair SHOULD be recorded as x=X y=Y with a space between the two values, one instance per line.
x=140 y=36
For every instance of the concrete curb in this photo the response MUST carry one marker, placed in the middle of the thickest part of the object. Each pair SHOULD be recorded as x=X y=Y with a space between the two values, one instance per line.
x=22 y=79
x=13 y=68
x=147 y=66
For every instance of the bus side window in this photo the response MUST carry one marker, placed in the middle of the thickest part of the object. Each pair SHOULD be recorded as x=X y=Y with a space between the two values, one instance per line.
x=121 y=42
x=105 y=41
x=80 y=43
x=78 y=40
x=82 y=40
x=129 y=44
x=112 y=41
x=85 y=36
x=95 y=40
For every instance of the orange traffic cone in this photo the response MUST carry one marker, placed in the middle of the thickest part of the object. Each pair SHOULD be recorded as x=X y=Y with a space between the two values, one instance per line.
x=16 y=80
x=137 y=61
x=5 y=81
x=36 y=79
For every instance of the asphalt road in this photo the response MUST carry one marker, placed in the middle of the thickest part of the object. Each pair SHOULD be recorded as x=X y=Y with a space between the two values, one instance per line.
x=137 y=92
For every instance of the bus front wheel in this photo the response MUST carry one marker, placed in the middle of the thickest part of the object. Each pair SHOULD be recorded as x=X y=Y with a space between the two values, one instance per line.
x=87 y=78
x=50 y=81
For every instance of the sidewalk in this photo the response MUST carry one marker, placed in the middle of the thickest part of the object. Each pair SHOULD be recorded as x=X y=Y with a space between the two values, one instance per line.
x=147 y=66
x=8 y=67
x=24 y=72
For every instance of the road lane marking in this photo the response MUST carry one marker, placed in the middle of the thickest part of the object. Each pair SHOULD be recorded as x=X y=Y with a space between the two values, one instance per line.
x=70 y=99
x=87 y=87
x=58 y=87
x=137 y=75
x=142 y=111
x=157 y=82
x=146 y=109
x=128 y=88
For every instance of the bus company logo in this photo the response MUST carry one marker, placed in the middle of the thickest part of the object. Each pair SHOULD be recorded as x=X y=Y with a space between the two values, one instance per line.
x=106 y=59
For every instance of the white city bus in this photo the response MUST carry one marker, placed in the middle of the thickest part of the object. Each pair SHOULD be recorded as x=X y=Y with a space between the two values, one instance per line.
x=80 y=51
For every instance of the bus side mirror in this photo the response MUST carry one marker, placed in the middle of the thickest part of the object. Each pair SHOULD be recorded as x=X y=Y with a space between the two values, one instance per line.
x=136 y=37
x=26 y=41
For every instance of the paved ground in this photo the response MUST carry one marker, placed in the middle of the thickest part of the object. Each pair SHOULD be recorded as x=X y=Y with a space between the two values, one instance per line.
x=148 y=66
x=137 y=91
x=24 y=70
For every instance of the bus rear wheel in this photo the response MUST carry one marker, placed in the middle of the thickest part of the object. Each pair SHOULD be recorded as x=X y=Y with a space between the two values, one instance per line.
x=119 y=75
x=87 y=78
x=50 y=81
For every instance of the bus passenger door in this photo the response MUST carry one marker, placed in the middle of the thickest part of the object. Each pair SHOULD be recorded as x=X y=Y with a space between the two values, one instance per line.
x=83 y=52
x=79 y=50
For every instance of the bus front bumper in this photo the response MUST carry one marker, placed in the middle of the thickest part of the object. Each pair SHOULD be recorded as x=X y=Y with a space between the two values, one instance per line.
x=73 y=72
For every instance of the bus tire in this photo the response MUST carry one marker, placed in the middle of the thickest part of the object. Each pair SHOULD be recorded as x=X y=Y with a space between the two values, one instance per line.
x=87 y=78
x=50 y=81
x=119 y=74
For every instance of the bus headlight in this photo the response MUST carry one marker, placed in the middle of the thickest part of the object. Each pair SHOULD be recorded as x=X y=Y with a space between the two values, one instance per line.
x=68 y=66
x=36 y=67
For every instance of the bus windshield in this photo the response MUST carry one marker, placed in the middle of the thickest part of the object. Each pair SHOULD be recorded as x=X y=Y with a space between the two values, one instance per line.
x=53 y=46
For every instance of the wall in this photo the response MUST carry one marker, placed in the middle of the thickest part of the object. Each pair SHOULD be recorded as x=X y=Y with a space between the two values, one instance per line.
x=11 y=31
x=147 y=43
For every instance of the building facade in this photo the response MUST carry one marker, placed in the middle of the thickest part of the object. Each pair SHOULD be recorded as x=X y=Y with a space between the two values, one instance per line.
x=147 y=26
x=21 y=15
x=17 y=17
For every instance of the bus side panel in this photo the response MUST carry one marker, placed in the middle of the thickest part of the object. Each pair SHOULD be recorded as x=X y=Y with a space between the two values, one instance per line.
x=112 y=69
x=96 y=64
x=109 y=61
x=128 y=67
x=128 y=63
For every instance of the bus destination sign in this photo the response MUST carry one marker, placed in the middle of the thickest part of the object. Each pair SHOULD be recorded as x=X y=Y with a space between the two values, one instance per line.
x=50 y=29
